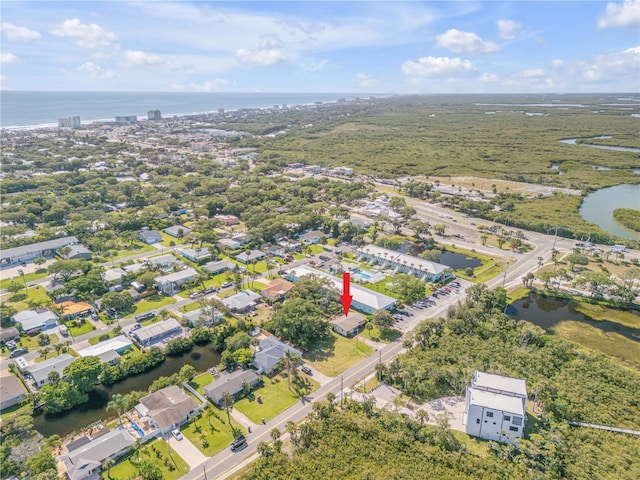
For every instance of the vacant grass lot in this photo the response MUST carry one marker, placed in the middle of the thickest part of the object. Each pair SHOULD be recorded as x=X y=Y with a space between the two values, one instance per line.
x=20 y=300
x=172 y=465
x=151 y=303
x=275 y=397
x=336 y=354
x=211 y=433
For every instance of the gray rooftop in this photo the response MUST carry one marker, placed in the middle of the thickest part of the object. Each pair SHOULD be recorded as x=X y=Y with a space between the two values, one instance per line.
x=229 y=382
x=38 y=247
x=156 y=329
x=40 y=371
x=177 y=276
x=271 y=352
x=241 y=300
x=91 y=455
x=215 y=267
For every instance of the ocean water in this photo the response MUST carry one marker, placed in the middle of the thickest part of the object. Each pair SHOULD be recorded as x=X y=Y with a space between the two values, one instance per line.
x=21 y=109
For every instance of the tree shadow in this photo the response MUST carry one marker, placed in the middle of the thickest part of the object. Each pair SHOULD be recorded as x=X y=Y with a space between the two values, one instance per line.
x=301 y=386
x=321 y=349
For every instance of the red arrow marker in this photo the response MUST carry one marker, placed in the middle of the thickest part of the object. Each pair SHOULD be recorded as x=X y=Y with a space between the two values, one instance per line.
x=345 y=297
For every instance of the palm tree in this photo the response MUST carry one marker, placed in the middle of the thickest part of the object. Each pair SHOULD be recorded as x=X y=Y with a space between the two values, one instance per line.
x=422 y=416
x=117 y=403
x=109 y=463
x=227 y=403
x=291 y=361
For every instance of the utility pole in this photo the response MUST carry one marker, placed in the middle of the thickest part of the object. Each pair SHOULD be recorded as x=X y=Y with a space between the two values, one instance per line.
x=204 y=469
x=21 y=272
x=341 y=389
x=379 y=365
x=504 y=278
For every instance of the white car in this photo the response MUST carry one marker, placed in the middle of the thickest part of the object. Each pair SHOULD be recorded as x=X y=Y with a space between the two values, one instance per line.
x=177 y=434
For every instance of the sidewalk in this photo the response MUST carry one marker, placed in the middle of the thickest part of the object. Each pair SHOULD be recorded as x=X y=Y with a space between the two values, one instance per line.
x=242 y=419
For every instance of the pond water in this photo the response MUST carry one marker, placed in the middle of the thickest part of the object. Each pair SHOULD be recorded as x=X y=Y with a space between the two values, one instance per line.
x=458 y=261
x=201 y=358
x=598 y=207
x=547 y=312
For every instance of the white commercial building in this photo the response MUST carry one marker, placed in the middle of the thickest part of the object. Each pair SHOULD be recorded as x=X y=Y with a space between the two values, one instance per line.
x=496 y=407
x=401 y=262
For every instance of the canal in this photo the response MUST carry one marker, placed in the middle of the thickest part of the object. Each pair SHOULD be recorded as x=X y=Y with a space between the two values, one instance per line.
x=201 y=358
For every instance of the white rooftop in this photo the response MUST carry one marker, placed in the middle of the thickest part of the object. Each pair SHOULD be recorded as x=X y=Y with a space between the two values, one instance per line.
x=491 y=381
x=360 y=294
x=404 y=259
x=113 y=344
x=177 y=276
x=496 y=401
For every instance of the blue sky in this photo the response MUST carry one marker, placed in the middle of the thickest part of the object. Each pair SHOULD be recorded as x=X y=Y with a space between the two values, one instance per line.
x=307 y=46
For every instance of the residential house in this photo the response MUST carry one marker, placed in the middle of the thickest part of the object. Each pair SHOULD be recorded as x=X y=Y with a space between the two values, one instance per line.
x=173 y=282
x=229 y=244
x=25 y=253
x=12 y=391
x=227 y=220
x=40 y=318
x=85 y=458
x=233 y=383
x=167 y=408
x=163 y=261
x=270 y=354
x=75 y=252
x=39 y=372
x=156 y=332
x=108 y=351
x=242 y=302
x=312 y=237
x=113 y=275
x=217 y=267
x=75 y=309
x=177 y=231
x=496 y=407
x=349 y=325
x=423 y=269
x=6 y=334
x=242 y=238
x=150 y=236
x=250 y=256
x=364 y=300
x=202 y=317
x=195 y=255
x=277 y=289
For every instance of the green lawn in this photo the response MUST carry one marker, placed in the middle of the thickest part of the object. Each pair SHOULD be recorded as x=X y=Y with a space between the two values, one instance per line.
x=315 y=249
x=172 y=465
x=32 y=342
x=190 y=307
x=138 y=247
x=336 y=354
x=258 y=267
x=376 y=335
x=201 y=381
x=97 y=340
x=151 y=303
x=29 y=277
x=20 y=408
x=84 y=327
x=382 y=287
x=211 y=433
x=36 y=294
x=276 y=396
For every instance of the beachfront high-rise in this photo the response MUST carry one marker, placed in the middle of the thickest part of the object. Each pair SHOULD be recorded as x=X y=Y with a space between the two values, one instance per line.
x=154 y=115
x=69 y=122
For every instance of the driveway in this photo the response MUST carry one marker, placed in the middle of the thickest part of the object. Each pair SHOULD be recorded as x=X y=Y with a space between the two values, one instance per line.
x=187 y=450
x=453 y=407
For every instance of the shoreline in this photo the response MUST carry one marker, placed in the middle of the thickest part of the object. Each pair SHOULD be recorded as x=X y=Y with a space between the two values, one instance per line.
x=91 y=121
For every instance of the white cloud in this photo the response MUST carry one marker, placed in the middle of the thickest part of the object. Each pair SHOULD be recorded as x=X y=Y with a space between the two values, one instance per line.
x=209 y=86
x=260 y=57
x=14 y=33
x=437 y=66
x=465 y=42
x=314 y=66
x=138 y=58
x=97 y=71
x=508 y=29
x=557 y=63
x=363 y=80
x=7 y=58
x=86 y=35
x=533 y=73
x=616 y=15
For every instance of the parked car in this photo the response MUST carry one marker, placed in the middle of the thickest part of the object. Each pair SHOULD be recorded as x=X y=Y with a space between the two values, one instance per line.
x=306 y=370
x=239 y=443
x=210 y=290
x=177 y=434
x=226 y=285
x=196 y=295
x=19 y=352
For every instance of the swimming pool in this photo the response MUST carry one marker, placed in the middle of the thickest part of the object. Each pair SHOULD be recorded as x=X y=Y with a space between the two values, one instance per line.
x=366 y=276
